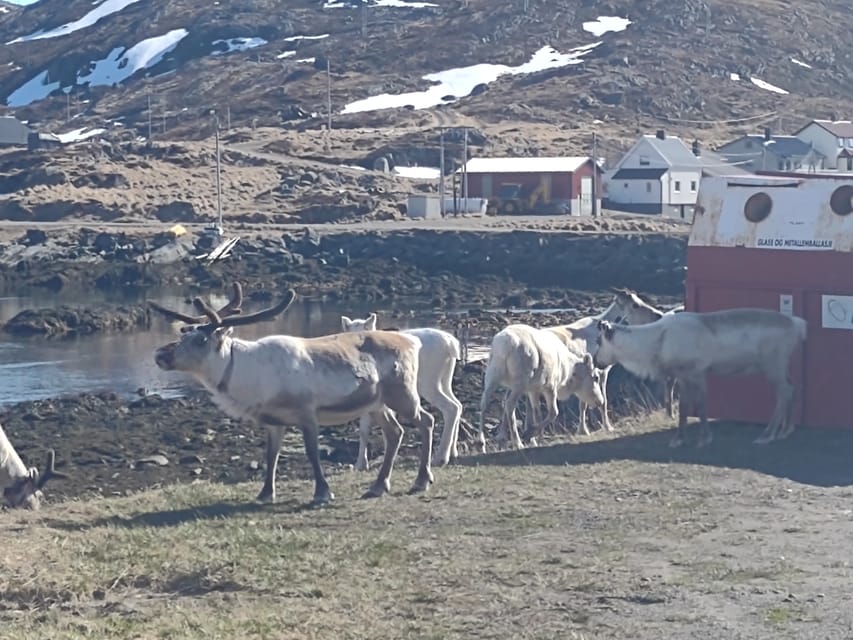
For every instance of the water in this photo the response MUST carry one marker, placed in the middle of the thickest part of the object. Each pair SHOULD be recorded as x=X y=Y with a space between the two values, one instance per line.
x=123 y=363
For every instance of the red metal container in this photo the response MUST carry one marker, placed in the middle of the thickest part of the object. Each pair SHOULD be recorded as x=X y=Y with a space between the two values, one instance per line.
x=784 y=243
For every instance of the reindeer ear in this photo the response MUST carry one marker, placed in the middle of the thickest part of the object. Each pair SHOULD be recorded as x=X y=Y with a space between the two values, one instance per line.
x=606 y=328
x=370 y=323
x=345 y=323
x=587 y=360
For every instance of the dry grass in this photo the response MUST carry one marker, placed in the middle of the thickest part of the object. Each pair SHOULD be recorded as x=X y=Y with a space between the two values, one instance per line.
x=615 y=546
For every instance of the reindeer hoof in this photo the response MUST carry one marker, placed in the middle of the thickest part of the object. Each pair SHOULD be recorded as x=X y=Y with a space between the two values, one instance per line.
x=418 y=487
x=322 y=499
x=377 y=490
x=265 y=497
x=675 y=443
x=704 y=441
x=762 y=439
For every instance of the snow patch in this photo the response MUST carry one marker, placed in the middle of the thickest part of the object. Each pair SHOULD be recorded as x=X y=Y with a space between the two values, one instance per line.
x=734 y=76
x=238 y=44
x=117 y=66
x=286 y=54
x=296 y=38
x=769 y=87
x=78 y=135
x=461 y=81
x=337 y=4
x=604 y=24
x=419 y=173
x=106 y=8
x=801 y=63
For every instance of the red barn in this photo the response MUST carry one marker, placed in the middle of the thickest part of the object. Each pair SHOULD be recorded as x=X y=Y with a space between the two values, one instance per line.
x=782 y=243
x=534 y=185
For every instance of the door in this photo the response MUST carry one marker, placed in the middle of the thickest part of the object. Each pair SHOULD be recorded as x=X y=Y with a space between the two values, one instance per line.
x=750 y=398
x=586 y=197
x=486 y=183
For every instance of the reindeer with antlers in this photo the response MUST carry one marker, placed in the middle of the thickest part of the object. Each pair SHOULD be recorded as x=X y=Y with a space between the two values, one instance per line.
x=282 y=380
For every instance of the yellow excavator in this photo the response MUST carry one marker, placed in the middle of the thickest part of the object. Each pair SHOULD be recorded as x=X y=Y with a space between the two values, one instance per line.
x=512 y=201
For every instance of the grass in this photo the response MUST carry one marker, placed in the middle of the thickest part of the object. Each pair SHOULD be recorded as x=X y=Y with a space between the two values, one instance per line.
x=616 y=548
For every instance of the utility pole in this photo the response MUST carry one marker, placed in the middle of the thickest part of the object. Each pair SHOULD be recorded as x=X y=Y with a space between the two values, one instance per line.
x=228 y=116
x=441 y=173
x=328 y=107
x=594 y=175
x=68 y=105
x=149 y=116
x=465 y=170
x=218 y=177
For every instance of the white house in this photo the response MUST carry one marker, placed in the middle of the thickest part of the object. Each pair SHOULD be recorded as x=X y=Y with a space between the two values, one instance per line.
x=834 y=139
x=661 y=174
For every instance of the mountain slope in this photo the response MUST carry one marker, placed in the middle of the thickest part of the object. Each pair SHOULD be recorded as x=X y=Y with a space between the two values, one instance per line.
x=700 y=68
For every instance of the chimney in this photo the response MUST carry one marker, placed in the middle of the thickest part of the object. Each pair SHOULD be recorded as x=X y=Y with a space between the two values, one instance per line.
x=661 y=135
x=696 y=151
x=767 y=135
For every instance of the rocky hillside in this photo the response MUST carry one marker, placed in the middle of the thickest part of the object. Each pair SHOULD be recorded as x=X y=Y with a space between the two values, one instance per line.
x=548 y=73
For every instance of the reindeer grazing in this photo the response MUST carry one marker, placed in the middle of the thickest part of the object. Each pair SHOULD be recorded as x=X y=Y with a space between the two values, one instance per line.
x=635 y=309
x=437 y=362
x=21 y=485
x=689 y=346
x=282 y=380
x=535 y=363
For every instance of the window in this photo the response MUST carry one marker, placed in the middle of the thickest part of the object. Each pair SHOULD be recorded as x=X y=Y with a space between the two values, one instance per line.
x=840 y=143
x=648 y=187
x=644 y=160
x=850 y=142
x=781 y=165
x=841 y=201
x=626 y=185
x=757 y=207
x=677 y=187
x=693 y=186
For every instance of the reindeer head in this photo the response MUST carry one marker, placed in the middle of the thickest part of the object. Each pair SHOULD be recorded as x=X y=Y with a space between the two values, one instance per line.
x=604 y=356
x=633 y=308
x=586 y=382
x=204 y=335
x=25 y=491
x=368 y=324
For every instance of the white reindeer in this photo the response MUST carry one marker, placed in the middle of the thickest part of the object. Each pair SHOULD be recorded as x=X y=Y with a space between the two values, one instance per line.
x=536 y=363
x=282 y=380
x=437 y=361
x=689 y=346
x=634 y=309
x=21 y=485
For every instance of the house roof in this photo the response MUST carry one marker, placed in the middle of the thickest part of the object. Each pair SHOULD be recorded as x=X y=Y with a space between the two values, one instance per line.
x=649 y=173
x=566 y=164
x=679 y=156
x=785 y=146
x=838 y=128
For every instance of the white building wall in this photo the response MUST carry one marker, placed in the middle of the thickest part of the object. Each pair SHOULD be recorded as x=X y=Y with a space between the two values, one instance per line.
x=823 y=141
x=682 y=187
x=634 y=191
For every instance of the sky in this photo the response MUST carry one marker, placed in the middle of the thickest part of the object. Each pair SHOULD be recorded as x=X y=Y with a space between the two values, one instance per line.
x=21 y=1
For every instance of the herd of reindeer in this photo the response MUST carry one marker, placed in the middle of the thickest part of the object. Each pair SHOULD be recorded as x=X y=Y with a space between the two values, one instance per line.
x=380 y=377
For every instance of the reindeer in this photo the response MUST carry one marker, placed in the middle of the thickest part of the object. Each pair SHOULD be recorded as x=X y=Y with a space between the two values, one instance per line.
x=21 y=485
x=437 y=362
x=282 y=380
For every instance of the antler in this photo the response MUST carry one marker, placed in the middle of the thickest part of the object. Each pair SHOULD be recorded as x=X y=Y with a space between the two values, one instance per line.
x=232 y=307
x=233 y=321
x=49 y=471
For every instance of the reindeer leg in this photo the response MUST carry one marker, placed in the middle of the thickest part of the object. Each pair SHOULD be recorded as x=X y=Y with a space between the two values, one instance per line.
x=683 y=409
x=393 y=433
x=605 y=415
x=583 y=427
x=705 y=435
x=273 y=437
x=310 y=437
x=361 y=461
x=425 y=424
